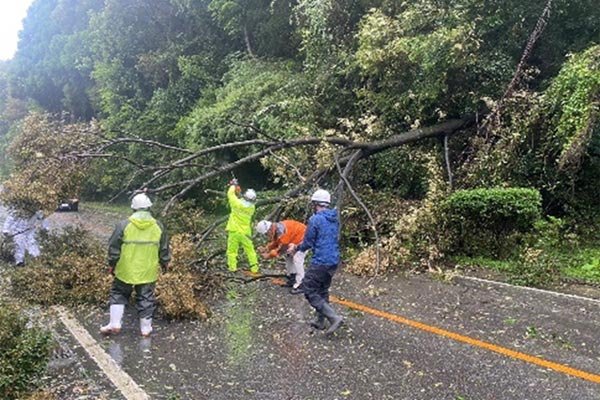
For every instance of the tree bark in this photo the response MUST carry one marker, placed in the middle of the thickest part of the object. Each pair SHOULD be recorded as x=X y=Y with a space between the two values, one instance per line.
x=447 y=159
x=248 y=43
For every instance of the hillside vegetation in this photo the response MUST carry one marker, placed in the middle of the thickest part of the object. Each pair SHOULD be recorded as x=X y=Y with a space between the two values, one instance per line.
x=468 y=129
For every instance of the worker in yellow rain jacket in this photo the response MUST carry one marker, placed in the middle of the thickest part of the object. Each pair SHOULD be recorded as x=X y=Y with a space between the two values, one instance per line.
x=137 y=247
x=239 y=226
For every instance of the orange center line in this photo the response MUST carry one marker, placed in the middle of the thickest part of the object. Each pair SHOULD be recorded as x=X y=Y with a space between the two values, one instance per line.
x=565 y=369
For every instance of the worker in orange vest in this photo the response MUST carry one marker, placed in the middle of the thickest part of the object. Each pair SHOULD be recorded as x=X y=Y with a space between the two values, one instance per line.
x=281 y=235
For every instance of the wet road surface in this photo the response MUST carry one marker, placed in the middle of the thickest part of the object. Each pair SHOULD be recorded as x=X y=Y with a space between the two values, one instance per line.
x=259 y=346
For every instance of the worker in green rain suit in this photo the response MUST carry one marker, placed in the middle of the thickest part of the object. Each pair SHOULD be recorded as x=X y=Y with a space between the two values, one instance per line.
x=239 y=226
x=137 y=247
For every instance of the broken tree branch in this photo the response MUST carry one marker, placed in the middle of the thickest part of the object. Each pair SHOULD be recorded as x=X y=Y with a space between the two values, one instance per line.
x=358 y=151
x=290 y=165
x=339 y=190
x=369 y=148
x=151 y=143
x=493 y=119
x=290 y=194
x=206 y=233
x=444 y=128
x=367 y=211
x=231 y=166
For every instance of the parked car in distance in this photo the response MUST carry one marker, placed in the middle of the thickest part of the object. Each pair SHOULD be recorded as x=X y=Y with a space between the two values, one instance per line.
x=68 y=205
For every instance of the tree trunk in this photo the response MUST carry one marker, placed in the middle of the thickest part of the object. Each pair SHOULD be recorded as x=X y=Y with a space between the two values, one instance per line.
x=248 y=43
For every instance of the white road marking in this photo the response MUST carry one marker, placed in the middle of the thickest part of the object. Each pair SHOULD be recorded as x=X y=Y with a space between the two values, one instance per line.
x=124 y=383
x=550 y=292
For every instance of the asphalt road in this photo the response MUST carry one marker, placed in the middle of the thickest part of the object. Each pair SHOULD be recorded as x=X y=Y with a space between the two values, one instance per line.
x=258 y=345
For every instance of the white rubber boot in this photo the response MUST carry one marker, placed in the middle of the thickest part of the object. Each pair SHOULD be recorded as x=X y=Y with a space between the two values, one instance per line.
x=146 y=326
x=116 y=315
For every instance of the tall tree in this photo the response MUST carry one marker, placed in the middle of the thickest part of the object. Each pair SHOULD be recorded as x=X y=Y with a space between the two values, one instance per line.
x=261 y=27
x=153 y=55
x=51 y=65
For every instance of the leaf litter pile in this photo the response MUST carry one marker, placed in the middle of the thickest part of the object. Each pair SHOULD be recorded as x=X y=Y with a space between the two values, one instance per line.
x=72 y=270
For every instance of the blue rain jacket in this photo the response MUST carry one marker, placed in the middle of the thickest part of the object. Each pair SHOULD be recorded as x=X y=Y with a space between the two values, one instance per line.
x=322 y=237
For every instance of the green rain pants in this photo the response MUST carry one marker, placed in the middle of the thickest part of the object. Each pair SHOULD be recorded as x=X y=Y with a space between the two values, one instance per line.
x=234 y=240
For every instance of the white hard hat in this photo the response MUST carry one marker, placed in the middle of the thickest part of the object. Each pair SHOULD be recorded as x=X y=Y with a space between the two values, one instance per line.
x=140 y=201
x=250 y=195
x=321 y=196
x=263 y=227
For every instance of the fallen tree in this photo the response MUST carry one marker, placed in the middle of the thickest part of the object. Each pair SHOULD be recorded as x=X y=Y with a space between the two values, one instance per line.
x=346 y=156
x=348 y=152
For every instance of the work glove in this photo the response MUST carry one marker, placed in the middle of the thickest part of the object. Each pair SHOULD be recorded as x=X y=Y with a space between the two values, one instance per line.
x=291 y=249
x=233 y=182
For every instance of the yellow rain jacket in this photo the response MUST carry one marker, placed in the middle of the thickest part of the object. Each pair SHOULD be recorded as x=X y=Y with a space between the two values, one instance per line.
x=240 y=219
x=137 y=247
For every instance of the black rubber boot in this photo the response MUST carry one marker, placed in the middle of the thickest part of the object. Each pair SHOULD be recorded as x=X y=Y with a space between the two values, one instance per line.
x=291 y=279
x=334 y=319
x=319 y=322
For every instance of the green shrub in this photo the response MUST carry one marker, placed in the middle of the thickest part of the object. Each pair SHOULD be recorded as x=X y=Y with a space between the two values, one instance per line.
x=536 y=268
x=490 y=221
x=549 y=232
x=25 y=353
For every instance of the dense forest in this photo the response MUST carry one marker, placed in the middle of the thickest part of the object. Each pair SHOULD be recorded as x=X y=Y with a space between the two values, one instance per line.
x=464 y=128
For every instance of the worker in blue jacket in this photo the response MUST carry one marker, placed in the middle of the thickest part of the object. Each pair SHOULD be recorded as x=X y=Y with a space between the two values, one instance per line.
x=322 y=238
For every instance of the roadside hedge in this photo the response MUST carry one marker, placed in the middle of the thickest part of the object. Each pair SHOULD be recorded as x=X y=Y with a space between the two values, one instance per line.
x=24 y=355
x=490 y=221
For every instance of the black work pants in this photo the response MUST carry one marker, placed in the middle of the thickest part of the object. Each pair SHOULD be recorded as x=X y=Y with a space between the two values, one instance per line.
x=145 y=299
x=316 y=283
